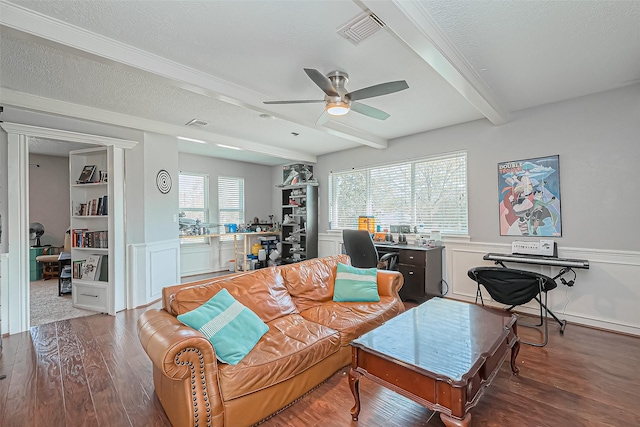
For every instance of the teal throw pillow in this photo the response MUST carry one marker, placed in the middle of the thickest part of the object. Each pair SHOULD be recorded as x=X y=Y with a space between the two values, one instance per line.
x=356 y=284
x=231 y=327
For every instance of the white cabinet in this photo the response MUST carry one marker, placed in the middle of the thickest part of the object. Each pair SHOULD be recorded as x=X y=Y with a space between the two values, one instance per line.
x=97 y=229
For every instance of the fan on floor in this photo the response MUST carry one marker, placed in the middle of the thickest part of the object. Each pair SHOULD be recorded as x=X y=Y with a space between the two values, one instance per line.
x=36 y=230
x=338 y=101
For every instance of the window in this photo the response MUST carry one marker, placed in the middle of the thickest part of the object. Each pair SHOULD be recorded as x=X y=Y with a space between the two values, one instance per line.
x=429 y=193
x=193 y=191
x=230 y=201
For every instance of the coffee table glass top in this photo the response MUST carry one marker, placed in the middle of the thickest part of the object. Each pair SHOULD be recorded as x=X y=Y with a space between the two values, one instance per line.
x=441 y=336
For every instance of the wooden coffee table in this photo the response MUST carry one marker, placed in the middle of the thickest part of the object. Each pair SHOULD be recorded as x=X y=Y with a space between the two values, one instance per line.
x=440 y=354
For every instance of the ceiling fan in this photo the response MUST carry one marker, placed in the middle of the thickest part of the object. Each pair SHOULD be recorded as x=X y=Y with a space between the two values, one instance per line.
x=338 y=101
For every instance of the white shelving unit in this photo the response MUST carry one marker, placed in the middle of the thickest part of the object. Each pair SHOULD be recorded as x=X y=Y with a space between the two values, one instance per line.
x=97 y=229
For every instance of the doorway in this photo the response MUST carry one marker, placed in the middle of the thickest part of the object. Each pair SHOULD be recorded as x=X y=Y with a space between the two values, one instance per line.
x=15 y=304
x=49 y=218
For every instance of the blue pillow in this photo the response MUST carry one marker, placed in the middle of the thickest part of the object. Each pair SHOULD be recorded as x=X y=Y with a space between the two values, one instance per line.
x=231 y=327
x=356 y=284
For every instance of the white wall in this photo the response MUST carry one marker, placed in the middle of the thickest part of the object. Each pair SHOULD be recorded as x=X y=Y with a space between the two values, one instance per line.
x=598 y=140
x=49 y=196
x=258 y=193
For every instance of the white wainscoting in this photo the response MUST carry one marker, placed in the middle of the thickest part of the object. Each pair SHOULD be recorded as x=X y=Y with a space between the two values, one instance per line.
x=606 y=296
x=206 y=258
x=4 y=293
x=152 y=266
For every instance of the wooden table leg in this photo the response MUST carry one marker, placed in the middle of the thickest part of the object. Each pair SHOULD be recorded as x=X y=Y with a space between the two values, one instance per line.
x=354 y=385
x=514 y=354
x=454 y=422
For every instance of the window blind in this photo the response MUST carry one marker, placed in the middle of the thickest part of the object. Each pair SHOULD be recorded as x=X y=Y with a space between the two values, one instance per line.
x=193 y=199
x=430 y=193
x=230 y=201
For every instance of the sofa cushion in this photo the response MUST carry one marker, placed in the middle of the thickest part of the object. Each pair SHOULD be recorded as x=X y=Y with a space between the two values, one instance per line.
x=353 y=319
x=231 y=327
x=261 y=291
x=356 y=284
x=310 y=282
x=291 y=346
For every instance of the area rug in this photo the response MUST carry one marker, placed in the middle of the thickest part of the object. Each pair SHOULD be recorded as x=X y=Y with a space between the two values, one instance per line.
x=47 y=306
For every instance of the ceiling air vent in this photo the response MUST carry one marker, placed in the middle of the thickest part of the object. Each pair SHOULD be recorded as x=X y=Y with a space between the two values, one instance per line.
x=197 y=123
x=361 y=27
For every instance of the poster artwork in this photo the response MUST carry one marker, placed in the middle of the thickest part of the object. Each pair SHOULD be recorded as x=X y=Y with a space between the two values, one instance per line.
x=529 y=197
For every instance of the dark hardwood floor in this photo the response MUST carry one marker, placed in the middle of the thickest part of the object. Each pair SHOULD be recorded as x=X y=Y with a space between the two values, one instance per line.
x=92 y=371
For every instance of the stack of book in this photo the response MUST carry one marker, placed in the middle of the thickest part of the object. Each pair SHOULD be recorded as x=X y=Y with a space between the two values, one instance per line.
x=95 y=267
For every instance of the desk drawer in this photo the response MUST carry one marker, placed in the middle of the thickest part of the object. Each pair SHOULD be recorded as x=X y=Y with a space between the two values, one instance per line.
x=413 y=257
x=90 y=297
x=414 y=284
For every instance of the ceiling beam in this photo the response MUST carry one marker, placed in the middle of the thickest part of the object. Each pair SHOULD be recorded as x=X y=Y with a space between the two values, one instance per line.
x=53 y=106
x=112 y=52
x=411 y=22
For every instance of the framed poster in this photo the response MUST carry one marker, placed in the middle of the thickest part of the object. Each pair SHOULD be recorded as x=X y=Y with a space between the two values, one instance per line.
x=529 y=197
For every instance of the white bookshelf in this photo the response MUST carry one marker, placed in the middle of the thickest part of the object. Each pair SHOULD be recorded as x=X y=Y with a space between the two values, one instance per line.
x=97 y=229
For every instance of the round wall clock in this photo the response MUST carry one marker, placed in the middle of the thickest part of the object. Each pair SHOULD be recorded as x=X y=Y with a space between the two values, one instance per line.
x=163 y=181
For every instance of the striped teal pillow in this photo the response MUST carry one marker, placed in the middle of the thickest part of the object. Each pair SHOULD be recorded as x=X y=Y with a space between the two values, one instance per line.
x=356 y=284
x=231 y=327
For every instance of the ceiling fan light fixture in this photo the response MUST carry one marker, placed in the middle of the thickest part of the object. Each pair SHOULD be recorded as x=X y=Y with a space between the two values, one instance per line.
x=337 y=108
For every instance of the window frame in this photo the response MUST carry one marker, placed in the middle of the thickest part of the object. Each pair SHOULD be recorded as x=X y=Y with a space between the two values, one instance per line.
x=412 y=209
x=206 y=207
x=241 y=210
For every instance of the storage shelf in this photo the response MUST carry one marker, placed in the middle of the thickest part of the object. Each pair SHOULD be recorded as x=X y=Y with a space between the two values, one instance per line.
x=91 y=184
x=89 y=216
x=105 y=250
x=90 y=282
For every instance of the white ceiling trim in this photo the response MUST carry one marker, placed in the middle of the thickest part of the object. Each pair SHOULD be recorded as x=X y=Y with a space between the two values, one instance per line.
x=65 y=135
x=410 y=21
x=48 y=105
x=65 y=34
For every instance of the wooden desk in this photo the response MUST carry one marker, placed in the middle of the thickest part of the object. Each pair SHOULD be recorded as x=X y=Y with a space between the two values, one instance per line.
x=235 y=241
x=421 y=268
x=440 y=354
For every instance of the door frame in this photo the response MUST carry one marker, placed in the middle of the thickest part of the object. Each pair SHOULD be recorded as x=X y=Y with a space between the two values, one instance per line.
x=15 y=304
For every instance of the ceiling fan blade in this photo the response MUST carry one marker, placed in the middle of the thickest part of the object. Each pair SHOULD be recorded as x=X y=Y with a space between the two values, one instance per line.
x=369 y=111
x=324 y=118
x=300 y=101
x=322 y=81
x=378 y=90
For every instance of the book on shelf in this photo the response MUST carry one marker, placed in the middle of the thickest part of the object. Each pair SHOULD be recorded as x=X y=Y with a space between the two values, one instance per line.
x=87 y=174
x=78 y=266
x=92 y=207
x=91 y=267
x=83 y=238
x=103 y=274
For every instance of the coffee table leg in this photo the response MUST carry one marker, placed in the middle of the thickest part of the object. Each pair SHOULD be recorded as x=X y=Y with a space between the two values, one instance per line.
x=514 y=353
x=454 y=422
x=354 y=384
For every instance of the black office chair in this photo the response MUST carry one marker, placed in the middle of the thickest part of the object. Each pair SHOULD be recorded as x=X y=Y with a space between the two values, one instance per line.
x=358 y=244
x=516 y=287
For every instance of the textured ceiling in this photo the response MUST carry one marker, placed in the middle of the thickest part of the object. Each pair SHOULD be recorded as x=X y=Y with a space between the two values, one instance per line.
x=167 y=62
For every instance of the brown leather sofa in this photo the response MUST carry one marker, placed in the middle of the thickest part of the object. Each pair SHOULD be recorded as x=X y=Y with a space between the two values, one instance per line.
x=307 y=342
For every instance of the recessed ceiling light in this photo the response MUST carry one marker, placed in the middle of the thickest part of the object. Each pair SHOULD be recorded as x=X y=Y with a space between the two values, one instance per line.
x=184 y=138
x=229 y=147
x=266 y=116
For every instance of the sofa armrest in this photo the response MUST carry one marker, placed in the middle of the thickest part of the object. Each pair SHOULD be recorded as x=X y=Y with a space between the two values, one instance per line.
x=389 y=283
x=182 y=353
